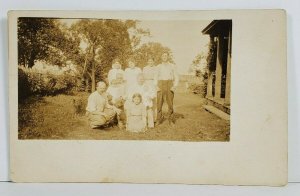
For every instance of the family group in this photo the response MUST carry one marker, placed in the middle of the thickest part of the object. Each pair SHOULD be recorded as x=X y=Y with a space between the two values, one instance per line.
x=134 y=97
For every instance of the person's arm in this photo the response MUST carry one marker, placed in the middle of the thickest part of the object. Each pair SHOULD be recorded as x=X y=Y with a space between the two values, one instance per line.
x=110 y=76
x=125 y=75
x=139 y=70
x=144 y=116
x=151 y=92
x=91 y=105
x=114 y=108
x=155 y=80
x=176 y=77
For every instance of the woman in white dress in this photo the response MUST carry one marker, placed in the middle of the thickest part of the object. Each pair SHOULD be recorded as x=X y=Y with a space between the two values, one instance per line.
x=130 y=76
x=136 y=115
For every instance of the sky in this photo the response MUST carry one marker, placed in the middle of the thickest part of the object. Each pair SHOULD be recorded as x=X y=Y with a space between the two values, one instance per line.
x=184 y=38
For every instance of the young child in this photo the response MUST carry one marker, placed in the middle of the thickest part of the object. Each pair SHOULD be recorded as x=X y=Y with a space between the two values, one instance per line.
x=114 y=71
x=148 y=97
x=117 y=88
x=136 y=115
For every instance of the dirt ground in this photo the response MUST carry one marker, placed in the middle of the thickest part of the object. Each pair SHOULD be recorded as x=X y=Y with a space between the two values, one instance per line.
x=54 y=118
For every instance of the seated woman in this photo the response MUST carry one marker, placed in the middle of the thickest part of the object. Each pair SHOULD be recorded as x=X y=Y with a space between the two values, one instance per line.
x=136 y=115
x=99 y=111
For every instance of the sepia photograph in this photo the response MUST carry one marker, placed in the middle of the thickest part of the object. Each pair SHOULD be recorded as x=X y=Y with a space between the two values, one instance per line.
x=193 y=97
x=116 y=79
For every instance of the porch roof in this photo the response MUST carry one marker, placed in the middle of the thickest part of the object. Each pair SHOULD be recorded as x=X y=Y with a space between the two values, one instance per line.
x=218 y=27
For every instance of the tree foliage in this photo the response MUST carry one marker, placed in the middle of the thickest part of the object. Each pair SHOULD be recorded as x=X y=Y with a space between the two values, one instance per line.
x=90 y=44
x=104 y=41
x=152 y=50
x=42 y=39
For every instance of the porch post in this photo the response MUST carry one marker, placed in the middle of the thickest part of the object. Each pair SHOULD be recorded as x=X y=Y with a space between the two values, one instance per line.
x=210 y=78
x=218 y=69
x=228 y=72
x=209 y=85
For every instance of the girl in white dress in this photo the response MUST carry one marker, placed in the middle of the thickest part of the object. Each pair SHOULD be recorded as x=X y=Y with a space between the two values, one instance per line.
x=136 y=115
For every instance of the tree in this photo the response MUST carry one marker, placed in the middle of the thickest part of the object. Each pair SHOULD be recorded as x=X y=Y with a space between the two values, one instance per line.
x=104 y=41
x=152 y=50
x=199 y=64
x=200 y=69
x=41 y=39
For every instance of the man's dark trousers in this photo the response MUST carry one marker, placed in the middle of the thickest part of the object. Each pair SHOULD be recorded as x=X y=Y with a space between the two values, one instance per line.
x=165 y=93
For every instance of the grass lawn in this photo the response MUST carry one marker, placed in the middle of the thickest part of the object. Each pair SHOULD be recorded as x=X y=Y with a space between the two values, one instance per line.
x=53 y=118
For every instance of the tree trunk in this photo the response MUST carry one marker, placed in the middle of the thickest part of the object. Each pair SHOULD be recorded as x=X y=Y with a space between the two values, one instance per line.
x=93 y=70
x=31 y=61
x=86 y=84
x=93 y=80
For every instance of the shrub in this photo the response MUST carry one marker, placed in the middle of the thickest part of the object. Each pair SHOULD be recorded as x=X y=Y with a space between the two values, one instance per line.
x=197 y=88
x=32 y=82
x=23 y=85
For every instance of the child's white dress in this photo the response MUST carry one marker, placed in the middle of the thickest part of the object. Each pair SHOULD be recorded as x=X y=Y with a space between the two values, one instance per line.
x=136 y=117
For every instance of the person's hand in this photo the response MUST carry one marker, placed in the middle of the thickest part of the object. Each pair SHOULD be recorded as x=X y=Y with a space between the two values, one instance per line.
x=173 y=88
x=117 y=110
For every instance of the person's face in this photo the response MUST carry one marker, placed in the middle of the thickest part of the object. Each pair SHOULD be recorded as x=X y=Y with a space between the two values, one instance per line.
x=131 y=64
x=136 y=100
x=151 y=62
x=164 y=57
x=101 y=88
x=117 y=65
x=140 y=80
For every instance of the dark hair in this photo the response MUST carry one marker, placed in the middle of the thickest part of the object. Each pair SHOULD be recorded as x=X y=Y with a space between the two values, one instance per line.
x=115 y=60
x=165 y=52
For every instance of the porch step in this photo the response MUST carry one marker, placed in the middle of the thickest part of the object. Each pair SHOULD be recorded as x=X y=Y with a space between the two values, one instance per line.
x=217 y=112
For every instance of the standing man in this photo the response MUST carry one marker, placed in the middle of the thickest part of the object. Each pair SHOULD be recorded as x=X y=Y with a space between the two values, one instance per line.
x=166 y=79
x=99 y=111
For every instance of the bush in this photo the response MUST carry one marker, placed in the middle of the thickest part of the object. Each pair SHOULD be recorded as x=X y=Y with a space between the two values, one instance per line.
x=35 y=83
x=23 y=85
x=197 y=88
